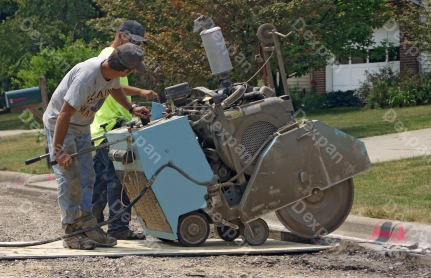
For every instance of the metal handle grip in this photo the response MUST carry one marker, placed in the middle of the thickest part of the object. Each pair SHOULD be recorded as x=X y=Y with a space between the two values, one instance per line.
x=35 y=159
x=32 y=160
x=101 y=146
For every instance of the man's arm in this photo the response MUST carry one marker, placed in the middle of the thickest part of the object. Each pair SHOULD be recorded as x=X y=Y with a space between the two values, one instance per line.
x=133 y=91
x=60 y=131
x=121 y=98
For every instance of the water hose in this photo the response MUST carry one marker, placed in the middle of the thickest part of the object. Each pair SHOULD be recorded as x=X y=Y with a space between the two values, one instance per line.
x=118 y=215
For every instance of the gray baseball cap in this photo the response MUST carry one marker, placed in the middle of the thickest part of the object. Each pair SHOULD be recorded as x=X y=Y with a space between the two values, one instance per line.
x=135 y=30
x=130 y=56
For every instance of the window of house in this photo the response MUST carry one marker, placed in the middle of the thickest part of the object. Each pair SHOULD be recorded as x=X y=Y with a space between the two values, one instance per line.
x=376 y=56
x=343 y=60
x=394 y=54
x=359 y=60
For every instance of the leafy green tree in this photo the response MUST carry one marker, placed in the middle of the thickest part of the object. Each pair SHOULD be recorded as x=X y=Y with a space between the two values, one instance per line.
x=322 y=28
x=29 y=26
x=53 y=64
x=414 y=18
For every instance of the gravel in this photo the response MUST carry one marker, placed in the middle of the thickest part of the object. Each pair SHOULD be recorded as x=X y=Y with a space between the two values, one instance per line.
x=31 y=214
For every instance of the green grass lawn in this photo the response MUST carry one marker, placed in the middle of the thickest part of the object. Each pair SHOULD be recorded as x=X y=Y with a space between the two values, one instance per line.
x=399 y=190
x=360 y=122
x=14 y=150
x=392 y=190
x=355 y=121
x=10 y=121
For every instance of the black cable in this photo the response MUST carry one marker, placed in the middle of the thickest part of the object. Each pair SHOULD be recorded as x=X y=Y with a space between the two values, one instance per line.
x=118 y=215
x=79 y=231
x=186 y=175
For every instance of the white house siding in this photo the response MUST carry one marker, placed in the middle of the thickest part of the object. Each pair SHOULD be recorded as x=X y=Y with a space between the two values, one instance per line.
x=425 y=62
x=300 y=83
x=349 y=76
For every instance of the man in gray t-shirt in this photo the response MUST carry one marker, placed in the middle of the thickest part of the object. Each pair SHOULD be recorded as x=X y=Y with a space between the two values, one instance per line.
x=67 y=125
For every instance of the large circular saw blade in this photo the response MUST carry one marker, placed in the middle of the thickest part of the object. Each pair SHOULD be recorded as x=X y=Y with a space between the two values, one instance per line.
x=321 y=213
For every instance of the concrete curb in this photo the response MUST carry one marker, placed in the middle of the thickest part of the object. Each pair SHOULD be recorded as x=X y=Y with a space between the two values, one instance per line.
x=13 y=177
x=366 y=230
x=27 y=179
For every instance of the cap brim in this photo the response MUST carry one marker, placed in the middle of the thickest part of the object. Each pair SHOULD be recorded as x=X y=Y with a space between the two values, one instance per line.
x=138 y=38
x=141 y=68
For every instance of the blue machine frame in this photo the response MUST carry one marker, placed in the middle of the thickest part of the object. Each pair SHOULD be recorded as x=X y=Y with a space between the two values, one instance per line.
x=171 y=141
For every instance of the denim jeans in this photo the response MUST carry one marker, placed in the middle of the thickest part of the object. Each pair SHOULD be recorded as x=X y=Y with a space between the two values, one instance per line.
x=75 y=182
x=107 y=190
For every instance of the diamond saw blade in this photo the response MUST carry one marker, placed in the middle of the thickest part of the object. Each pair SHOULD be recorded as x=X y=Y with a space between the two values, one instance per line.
x=321 y=213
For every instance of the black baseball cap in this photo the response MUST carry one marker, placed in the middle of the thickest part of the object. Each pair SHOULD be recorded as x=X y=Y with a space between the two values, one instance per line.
x=135 y=29
x=130 y=56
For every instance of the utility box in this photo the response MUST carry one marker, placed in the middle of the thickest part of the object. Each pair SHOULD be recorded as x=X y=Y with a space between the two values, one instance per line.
x=34 y=99
x=23 y=97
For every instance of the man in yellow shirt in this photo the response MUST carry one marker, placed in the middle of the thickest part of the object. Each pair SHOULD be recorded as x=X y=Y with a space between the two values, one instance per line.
x=108 y=188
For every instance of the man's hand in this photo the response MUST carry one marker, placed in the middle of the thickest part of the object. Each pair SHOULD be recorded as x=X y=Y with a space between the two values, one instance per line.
x=149 y=95
x=141 y=112
x=63 y=158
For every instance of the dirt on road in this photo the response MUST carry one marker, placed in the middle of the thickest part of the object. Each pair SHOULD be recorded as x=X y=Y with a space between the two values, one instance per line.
x=28 y=214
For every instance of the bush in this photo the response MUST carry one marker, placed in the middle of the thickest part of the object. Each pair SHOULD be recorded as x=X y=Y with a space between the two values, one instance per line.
x=342 y=99
x=309 y=100
x=418 y=85
x=387 y=89
x=375 y=87
x=398 y=98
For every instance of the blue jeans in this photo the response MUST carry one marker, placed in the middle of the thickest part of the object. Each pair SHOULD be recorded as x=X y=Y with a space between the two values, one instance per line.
x=107 y=190
x=75 y=182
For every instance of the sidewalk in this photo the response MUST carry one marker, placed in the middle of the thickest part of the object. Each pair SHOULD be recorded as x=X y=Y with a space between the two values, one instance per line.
x=4 y=133
x=398 y=145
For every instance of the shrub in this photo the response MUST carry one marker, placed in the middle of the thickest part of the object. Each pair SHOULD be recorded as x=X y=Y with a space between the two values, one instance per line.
x=376 y=85
x=398 y=98
x=342 y=99
x=309 y=100
x=377 y=97
x=387 y=89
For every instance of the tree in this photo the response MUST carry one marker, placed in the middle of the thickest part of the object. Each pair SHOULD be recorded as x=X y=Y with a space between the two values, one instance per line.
x=52 y=63
x=175 y=54
x=322 y=28
x=414 y=18
x=29 y=26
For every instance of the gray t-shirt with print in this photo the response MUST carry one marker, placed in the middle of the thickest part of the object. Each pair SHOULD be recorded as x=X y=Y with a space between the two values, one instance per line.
x=85 y=89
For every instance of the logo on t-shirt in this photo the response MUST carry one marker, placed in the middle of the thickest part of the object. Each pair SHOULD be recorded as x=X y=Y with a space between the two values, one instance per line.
x=93 y=106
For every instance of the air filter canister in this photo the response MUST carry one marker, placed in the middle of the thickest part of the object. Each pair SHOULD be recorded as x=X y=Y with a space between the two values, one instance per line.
x=215 y=47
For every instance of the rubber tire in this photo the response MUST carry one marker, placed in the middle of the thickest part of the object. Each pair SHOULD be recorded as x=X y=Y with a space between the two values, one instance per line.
x=202 y=223
x=263 y=234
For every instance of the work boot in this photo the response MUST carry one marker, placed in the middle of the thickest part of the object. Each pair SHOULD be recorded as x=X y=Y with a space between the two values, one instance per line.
x=80 y=241
x=98 y=235
x=127 y=235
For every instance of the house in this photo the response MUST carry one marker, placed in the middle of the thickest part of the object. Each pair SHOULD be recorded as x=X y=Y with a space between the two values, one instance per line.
x=347 y=74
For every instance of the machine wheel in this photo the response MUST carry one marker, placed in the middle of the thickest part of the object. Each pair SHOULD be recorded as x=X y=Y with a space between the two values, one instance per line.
x=193 y=229
x=226 y=233
x=321 y=213
x=263 y=33
x=260 y=232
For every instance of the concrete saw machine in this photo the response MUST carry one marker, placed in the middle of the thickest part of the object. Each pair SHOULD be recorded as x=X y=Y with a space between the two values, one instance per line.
x=230 y=156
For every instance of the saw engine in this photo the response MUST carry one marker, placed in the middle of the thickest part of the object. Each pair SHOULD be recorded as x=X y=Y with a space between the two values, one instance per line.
x=230 y=156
